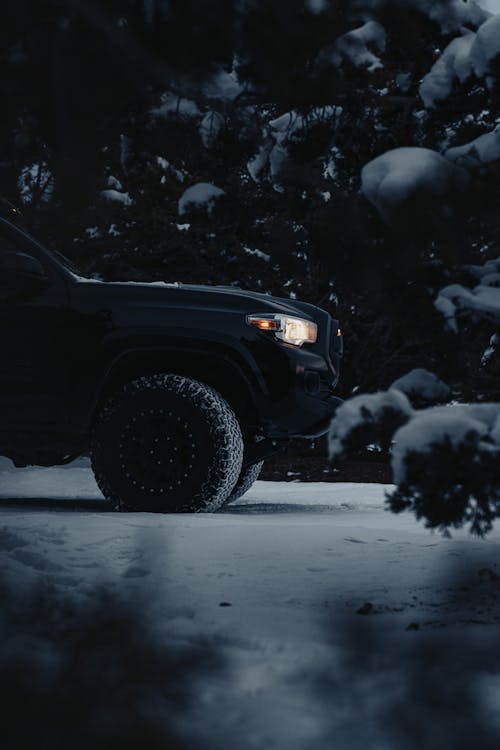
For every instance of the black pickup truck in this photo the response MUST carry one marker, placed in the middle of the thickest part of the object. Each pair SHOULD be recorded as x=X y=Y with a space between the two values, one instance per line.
x=177 y=392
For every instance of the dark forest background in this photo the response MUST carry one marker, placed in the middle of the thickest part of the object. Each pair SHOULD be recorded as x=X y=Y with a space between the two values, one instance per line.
x=111 y=110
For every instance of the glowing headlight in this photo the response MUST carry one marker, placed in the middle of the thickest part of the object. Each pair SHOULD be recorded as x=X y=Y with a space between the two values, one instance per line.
x=296 y=331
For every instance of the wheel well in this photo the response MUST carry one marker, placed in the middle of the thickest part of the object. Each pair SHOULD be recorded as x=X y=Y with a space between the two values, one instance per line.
x=218 y=371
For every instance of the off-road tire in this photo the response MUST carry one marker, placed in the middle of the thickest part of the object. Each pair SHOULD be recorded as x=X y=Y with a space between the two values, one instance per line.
x=166 y=443
x=247 y=477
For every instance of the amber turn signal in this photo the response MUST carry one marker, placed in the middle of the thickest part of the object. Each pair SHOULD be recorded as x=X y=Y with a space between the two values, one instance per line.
x=263 y=324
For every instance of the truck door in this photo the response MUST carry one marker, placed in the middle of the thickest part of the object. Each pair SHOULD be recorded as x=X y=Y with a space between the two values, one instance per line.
x=33 y=337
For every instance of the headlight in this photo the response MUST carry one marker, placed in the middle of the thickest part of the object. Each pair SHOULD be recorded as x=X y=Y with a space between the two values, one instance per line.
x=296 y=331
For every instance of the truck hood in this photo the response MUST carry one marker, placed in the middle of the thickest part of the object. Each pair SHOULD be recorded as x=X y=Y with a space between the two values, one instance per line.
x=194 y=296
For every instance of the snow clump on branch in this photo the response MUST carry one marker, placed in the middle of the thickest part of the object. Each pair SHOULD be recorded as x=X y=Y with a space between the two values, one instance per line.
x=454 y=63
x=482 y=302
x=356 y=46
x=445 y=464
x=445 y=459
x=480 y=155
x=117 y=197
x=172 y=104
x=368 y=418
x=290 y=127
x=486 y=47
x=36 y=184
x=203 y=195
x=451 y=15
x=405 y=179
x=422 y=387
x=471 y=53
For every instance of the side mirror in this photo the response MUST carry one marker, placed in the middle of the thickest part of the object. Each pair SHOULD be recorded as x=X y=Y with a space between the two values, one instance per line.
x=21 y=266
x=21 y=272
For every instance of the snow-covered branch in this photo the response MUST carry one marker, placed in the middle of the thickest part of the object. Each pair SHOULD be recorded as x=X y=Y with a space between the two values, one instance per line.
x=445 y=459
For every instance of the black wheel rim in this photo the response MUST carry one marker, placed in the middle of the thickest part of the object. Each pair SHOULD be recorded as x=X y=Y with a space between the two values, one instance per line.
x=158 y=452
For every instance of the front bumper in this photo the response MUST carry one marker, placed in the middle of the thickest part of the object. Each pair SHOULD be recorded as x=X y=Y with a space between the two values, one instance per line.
x=301 y=416
x=307 y=405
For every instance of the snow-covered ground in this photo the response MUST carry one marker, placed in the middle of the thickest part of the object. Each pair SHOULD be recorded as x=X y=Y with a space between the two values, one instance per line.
x=322 y=606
